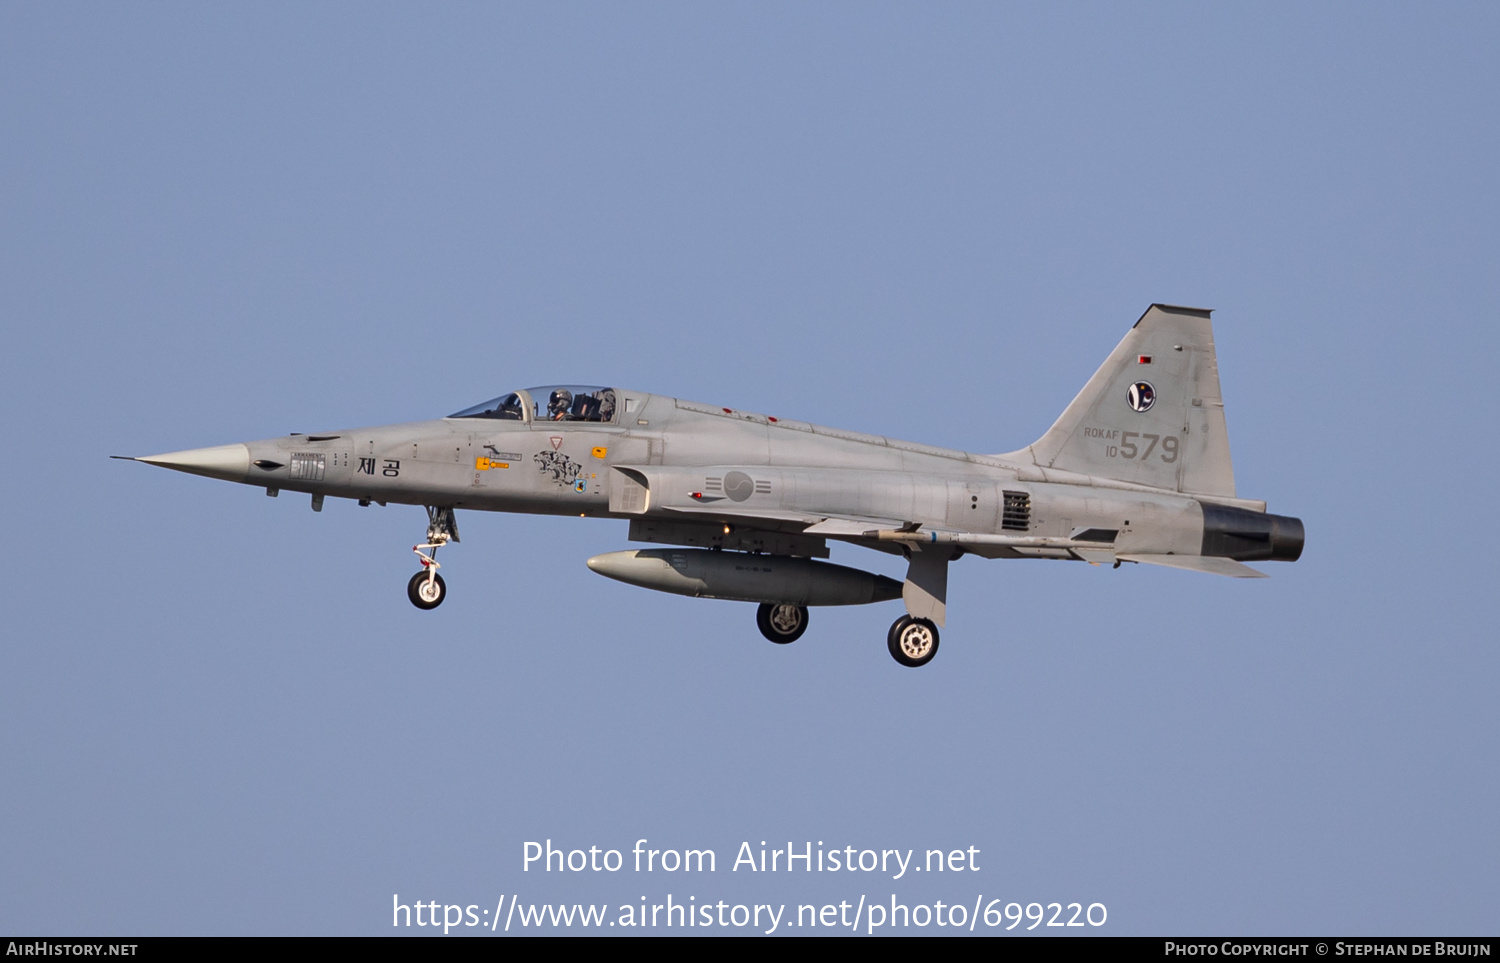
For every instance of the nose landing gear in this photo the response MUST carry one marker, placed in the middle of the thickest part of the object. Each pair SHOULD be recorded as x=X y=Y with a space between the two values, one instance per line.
x=426 y=588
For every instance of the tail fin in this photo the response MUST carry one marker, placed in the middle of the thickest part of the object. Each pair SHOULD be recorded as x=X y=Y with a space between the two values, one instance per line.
x=1152 y=414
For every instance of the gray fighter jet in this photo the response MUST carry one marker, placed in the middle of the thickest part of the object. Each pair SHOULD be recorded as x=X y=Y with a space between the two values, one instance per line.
x=1136 y=469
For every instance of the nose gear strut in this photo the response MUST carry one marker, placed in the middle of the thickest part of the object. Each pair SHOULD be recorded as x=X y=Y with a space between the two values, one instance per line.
x=426 y=588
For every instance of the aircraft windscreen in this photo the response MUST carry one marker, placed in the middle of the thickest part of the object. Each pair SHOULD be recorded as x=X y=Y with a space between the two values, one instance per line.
x=506 y=407
x=563 y=403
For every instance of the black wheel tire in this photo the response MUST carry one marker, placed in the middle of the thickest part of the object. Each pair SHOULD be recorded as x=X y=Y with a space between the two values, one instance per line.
x=913 y=642
x=421 y=596
x=781 y=623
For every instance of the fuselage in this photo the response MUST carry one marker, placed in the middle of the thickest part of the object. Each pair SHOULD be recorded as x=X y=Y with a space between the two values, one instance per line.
x=796 y=471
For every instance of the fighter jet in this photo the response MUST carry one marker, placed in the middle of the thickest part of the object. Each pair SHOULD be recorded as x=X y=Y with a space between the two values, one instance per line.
x=1136 y=469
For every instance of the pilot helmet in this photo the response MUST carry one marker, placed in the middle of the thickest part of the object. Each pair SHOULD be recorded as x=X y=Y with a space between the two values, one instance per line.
x=560 y=401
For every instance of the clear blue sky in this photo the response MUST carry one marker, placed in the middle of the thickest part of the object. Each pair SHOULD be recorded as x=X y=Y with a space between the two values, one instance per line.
x=219 y=713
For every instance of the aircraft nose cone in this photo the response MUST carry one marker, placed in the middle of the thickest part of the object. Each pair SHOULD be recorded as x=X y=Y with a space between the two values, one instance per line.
x=229 y=462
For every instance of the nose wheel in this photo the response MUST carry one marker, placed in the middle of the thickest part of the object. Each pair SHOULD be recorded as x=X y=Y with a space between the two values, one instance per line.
x=426 y=588
x=913 y=642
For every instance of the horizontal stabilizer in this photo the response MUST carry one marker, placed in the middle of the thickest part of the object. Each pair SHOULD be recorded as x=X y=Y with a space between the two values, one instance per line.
x=1211 y=564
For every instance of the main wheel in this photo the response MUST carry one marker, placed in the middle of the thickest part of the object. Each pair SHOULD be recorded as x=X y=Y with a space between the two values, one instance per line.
x=425 y=594
x=781 y=623
x=913 y=642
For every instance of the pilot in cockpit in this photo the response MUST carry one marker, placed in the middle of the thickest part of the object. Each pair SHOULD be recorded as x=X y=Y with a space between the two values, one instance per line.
x=559 y=404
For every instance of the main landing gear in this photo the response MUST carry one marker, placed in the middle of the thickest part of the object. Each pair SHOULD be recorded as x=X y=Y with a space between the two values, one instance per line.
x=913 y=642
x=426 y=588
x=781 y=623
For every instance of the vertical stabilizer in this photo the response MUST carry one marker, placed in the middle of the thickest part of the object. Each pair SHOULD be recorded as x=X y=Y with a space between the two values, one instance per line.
x=1152 y=414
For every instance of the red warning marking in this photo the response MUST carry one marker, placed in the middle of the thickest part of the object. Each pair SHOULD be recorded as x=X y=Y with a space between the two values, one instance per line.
x=1143 y=359
x=556 y=442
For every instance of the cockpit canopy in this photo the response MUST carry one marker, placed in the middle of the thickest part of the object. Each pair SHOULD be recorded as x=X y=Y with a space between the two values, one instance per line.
x=549 y=403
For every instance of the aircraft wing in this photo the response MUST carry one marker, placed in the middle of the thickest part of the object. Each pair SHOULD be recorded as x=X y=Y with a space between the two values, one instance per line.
x=818 y=523
x=720 y=510
x=853 y=525
x=701 y=492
